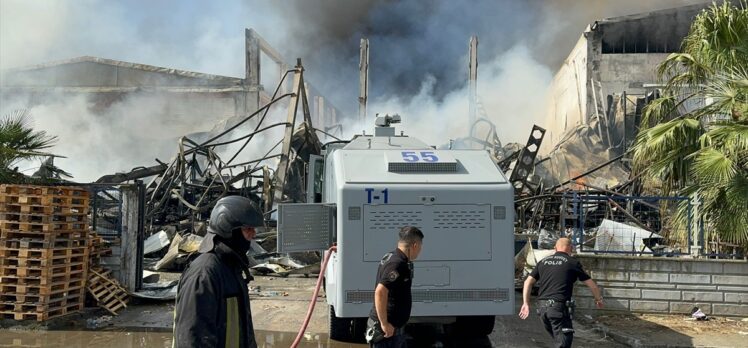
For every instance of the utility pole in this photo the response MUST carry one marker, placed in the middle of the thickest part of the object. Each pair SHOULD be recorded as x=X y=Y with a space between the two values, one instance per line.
x=472 y=81
x=363 y=71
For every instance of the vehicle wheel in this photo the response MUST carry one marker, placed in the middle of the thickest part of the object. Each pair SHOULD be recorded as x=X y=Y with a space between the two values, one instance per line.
x=340 y=328
x=475 y=326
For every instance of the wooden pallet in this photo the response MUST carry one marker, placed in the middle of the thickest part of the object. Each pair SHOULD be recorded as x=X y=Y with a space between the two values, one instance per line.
x=42 y=316
x=98 y=247
x=37 y=262
x=48 y=289
x=64 y=201
x=49 y=298
x=44 y=236
x=42 y=254
x=43 y=243
x=43 y=218
x=106 y=290
x=27 y=303
x=24 y=271
x=43 y=190
x=69 y=275
x=43 y=227
x=20 y=208
x=40 y=307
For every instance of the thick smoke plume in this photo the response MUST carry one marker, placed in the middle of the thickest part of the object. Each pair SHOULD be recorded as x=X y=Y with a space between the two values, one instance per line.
x=418 y=61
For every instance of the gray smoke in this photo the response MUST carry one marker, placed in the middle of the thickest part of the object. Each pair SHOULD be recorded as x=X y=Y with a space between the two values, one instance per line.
x=418 y=59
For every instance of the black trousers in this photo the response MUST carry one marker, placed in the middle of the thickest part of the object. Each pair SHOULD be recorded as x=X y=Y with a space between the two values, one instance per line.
x=397 y=341
x=557 y=322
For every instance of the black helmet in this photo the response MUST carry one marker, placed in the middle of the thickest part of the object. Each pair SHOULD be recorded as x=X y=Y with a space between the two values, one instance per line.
x=230 y=213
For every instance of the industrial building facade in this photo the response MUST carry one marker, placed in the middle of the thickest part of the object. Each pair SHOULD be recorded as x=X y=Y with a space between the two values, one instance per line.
x=596 y=97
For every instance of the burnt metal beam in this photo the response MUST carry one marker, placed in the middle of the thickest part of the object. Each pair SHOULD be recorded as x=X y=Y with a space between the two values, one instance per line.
x=472 y=79
x=133 y=175
x=603 y=165
x=293 y=105
x=363 y=72
x=526 y=159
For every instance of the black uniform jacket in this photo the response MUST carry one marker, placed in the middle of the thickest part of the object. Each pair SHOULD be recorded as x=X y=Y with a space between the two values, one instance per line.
x=395 y=273
x=556 y=275
x=212 y=308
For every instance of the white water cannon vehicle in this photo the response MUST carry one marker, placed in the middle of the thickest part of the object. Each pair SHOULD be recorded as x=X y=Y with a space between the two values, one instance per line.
x=360 y=193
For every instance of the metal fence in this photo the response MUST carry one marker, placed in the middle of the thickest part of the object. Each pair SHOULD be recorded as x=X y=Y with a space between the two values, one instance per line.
x=117 y=215
x=630 y=224
x=106 y=211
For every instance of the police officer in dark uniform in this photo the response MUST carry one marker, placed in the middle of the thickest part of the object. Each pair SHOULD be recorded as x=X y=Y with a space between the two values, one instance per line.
x=392 y=298
x=556 y=275
x=212 y=308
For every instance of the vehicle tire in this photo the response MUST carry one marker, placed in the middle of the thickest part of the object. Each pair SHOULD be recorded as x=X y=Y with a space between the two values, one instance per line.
x=475 y=326
x=340 y=328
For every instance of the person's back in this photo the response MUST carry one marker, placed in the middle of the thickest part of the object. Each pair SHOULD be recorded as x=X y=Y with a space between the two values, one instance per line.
x=556 y=275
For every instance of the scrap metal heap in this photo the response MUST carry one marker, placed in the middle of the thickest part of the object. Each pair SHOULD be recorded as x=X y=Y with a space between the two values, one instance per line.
x=181 y=193
x=598 y=189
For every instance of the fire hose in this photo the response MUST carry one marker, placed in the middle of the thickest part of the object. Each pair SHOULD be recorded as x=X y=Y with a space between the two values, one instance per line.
x=309 y=312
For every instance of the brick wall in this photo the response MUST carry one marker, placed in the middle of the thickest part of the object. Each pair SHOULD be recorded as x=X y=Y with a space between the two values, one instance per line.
x=665 y=285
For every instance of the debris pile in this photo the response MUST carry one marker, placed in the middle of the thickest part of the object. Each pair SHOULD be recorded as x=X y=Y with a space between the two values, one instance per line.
x=209 y=166
x=585 y=189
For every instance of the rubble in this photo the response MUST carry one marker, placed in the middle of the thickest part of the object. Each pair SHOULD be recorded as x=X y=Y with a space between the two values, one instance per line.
x=156 y=242
x=615 y=236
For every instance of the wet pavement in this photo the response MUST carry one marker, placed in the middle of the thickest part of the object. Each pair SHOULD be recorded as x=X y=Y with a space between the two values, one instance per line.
x=509 y=332
x=129 y=339
x=277 y=312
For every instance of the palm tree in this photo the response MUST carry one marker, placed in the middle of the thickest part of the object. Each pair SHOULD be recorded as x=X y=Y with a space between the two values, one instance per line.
x=693 y=140
x=19 y=141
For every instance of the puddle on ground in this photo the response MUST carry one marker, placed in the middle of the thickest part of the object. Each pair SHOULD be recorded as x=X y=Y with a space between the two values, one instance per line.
x=119 y=339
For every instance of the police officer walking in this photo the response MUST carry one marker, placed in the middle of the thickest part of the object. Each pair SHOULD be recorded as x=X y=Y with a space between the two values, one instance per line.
x=212 y=308
x=392 y=298
x=556 y=275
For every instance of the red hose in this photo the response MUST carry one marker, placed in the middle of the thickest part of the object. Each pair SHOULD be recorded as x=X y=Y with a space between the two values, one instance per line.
x=314 y=297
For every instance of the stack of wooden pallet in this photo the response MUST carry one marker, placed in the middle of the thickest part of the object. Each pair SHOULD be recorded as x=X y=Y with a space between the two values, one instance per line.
x=43 y=251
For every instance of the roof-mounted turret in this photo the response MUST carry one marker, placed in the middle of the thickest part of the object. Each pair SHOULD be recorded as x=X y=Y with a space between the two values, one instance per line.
x=383 y=125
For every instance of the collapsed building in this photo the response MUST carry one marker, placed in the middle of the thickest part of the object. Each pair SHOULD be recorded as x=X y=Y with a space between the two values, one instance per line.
x=191 y=103
x=202 y=112
x=583 y=172
x=597 y=96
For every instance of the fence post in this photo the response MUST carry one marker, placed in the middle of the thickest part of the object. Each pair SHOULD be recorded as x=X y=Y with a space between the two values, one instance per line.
x=578 y=230
x=696 y=228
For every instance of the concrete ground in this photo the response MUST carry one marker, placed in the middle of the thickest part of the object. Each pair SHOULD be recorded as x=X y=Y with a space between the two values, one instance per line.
x=278 y=309
x=650 y=330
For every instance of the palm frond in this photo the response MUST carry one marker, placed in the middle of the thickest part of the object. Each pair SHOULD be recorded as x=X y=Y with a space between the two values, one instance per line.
x=19 y=141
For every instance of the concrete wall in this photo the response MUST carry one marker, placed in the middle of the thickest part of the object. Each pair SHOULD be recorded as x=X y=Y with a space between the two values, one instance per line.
x=567 y=103
x=612 y=56
x=628 y=72
x=665 y=285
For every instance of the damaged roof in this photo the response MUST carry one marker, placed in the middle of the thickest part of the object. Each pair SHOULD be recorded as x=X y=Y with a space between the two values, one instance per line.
x=94 y=72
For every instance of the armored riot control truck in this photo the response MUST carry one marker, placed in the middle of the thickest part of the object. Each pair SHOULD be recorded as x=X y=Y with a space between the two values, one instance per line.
x=367 y=189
